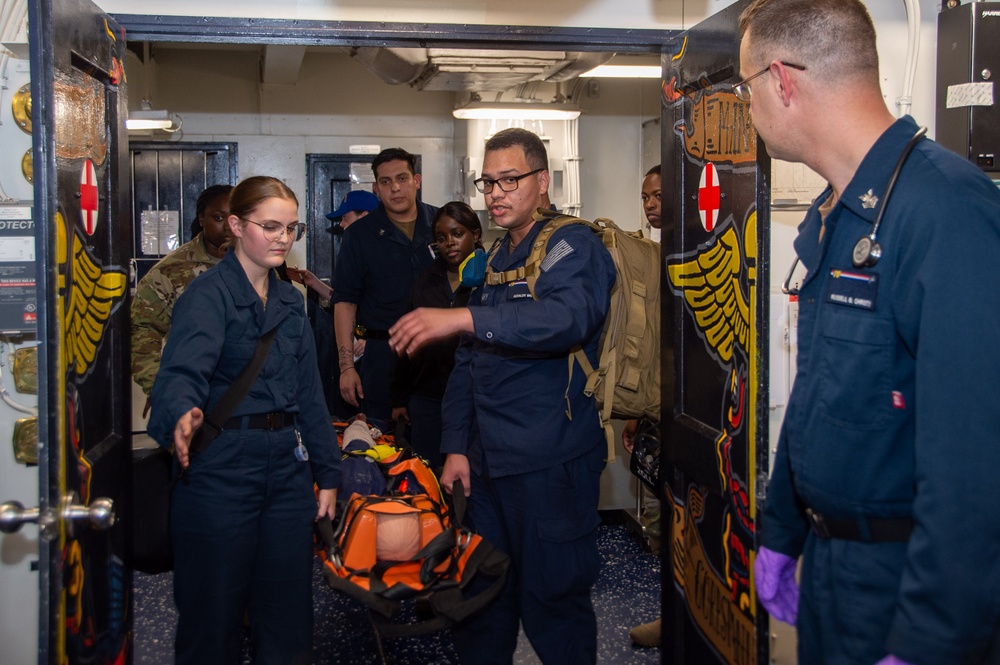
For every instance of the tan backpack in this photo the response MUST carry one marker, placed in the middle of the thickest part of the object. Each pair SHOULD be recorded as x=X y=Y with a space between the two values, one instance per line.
x=629 y=350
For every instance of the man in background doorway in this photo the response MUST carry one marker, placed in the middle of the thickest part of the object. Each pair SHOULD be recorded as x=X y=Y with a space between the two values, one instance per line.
x=647 y=634
x=380 y=257
x=651 y=196
x=355 y=205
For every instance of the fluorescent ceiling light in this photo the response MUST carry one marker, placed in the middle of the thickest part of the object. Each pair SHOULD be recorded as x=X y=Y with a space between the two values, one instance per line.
x=515 y=111
x=152 y=119
x=625 y=71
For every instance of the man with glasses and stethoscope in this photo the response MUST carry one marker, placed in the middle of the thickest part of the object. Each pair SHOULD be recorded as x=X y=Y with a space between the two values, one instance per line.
x=885 y=476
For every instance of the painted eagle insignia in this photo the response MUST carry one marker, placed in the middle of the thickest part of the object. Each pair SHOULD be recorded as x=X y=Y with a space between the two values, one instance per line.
x=89 y=295
x=710 y=282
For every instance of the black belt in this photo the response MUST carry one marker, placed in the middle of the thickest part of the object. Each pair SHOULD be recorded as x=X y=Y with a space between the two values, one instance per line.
x=273 y=420
x=362 y=332
x=512 y=353
x=865 y=529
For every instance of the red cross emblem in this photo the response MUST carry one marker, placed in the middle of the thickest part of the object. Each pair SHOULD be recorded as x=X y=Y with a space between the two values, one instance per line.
x=88 y=197
x=709 y=197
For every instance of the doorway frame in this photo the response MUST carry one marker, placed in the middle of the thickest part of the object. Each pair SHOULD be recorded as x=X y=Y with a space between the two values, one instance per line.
x=263 y=31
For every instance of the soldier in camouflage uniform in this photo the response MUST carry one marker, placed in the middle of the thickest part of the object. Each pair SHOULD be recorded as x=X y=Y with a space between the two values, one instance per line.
x=159 y=289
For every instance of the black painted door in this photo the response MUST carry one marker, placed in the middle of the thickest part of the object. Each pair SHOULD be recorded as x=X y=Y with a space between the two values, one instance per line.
x=715 y=247
x=83 y=239
x=330 y=178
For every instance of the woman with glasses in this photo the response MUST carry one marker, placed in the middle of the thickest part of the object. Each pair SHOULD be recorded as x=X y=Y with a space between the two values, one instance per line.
x=242 y=513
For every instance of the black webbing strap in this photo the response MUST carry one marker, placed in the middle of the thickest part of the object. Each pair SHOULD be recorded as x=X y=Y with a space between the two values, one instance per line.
x=233 y=396
x=400 y=436
x=450 y=605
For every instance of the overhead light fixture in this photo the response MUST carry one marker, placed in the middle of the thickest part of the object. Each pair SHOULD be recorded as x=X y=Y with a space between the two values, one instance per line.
x=624 y=72
x=148 y=119
x=515 y=111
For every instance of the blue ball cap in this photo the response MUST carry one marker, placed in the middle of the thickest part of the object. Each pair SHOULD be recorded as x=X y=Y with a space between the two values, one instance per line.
x=357 y=200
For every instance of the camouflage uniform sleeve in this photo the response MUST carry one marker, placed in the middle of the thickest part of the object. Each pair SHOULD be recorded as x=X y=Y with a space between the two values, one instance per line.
x=154 y=301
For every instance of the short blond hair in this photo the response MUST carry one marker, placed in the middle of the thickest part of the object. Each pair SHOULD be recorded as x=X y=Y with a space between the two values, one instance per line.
x=834 y=39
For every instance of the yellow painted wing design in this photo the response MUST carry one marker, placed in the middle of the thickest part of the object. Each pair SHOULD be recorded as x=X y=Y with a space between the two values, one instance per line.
x=92 y=297
x=711 y=287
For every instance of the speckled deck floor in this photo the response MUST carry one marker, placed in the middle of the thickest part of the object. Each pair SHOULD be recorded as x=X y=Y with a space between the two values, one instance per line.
x=627 y=593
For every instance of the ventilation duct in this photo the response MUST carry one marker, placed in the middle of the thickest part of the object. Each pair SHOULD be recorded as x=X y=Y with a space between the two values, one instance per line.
x=462 y=70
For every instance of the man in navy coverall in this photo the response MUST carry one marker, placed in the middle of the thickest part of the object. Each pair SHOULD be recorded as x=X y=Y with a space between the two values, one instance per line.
x=530 y=451
x=885 y=480
x=381 y=256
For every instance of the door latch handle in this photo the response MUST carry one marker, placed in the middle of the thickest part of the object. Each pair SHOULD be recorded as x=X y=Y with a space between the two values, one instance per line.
x=100 y=515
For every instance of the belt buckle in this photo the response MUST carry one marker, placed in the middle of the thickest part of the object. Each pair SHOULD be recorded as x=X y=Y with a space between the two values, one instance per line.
x=817 y=523
x=275 y=420
x=360 y=331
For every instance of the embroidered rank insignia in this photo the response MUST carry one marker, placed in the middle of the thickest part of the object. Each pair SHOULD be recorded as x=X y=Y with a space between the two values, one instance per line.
x=556 y=254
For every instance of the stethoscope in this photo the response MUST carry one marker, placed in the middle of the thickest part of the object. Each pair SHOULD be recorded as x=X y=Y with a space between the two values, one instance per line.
x=867 y=251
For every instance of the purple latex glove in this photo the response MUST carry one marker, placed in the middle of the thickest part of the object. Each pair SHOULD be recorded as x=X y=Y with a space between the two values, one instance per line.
x=776 y=586
x=892 y=660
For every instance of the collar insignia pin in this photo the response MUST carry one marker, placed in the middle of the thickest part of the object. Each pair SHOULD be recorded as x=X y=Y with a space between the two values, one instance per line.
x=868 y=200
x=381 y=232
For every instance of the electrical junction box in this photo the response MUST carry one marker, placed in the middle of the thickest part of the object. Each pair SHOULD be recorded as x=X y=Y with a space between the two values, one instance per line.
x=18 y=300
x=968 y=53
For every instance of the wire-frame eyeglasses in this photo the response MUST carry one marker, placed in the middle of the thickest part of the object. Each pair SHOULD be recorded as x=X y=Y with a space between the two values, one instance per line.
x=742 y=89
x=274 y=230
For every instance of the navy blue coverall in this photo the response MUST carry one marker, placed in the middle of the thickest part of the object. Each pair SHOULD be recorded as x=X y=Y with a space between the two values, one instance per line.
x=242 y=519
x=893 y=415
x=375 y=270
x=536 y=449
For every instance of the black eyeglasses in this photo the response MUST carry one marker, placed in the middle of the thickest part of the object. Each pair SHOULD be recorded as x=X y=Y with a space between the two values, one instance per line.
x=274 y=230
x=508 y=183
x=742 y=89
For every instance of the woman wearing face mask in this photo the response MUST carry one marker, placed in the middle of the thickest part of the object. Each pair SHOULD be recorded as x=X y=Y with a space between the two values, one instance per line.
x=418 y=383
x=242 y=515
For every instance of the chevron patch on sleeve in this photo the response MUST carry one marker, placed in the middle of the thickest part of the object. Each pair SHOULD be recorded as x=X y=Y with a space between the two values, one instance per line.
x=556 y=254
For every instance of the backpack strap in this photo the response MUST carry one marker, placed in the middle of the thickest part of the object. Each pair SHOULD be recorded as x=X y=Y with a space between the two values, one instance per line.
x=539 y=248
x=597 y=379
x=492 y=277
x=602 y=378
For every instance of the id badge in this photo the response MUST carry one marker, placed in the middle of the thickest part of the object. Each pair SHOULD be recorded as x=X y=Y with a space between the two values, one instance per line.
x=301 y=454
